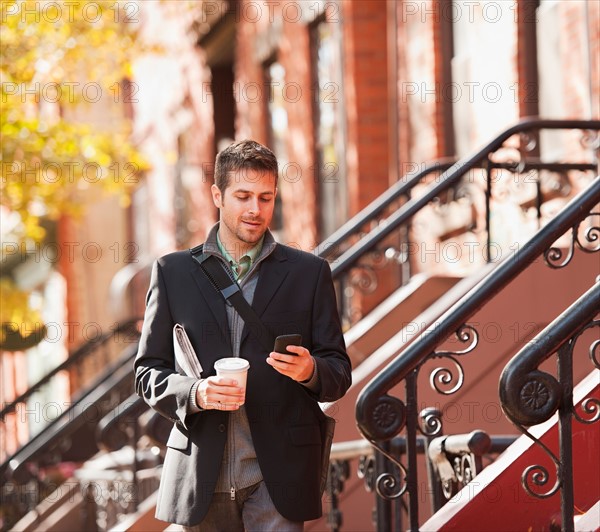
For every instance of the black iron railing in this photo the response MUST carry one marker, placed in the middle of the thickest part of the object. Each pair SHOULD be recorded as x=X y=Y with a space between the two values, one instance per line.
x=462 y=451
x=103 y=368
x=381 y=416
x=530 y=396
x=98 y=349
x=362 y=224
x=373 y=213
x=496 y=163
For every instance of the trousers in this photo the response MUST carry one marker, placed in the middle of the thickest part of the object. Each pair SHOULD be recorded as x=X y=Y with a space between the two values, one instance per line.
x=251 y=511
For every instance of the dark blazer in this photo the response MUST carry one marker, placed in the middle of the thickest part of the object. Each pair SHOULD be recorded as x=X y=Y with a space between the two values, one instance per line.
x=294 y=294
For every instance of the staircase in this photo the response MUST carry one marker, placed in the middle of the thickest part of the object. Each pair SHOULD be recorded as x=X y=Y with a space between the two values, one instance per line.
x=381 y=415
x=40 y=469
x=476 y=405
x=498 y=488
x=396 y=344
x=491 y=321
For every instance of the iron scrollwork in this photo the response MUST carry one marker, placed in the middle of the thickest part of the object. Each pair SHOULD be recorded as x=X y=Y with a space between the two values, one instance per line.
x=430 y=422
x=553 y=256
x=594 y=352
x=535 y=398
x=366 y=471
x=443 y=376
x=539 y=476
x=465 y=470
x=591 y=405
x=380 y=421
x=529 y=140
x=388 y=485
x=590 y=140
x=339 y=471
x=363 y=276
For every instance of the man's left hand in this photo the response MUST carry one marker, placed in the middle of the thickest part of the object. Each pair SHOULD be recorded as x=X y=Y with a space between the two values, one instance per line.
x=299 y=367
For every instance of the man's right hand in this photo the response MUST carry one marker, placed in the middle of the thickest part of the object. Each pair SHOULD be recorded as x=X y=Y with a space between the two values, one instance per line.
x=219 y=393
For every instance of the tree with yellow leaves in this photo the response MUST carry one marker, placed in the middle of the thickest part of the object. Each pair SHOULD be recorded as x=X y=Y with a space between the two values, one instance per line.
x=58 y=58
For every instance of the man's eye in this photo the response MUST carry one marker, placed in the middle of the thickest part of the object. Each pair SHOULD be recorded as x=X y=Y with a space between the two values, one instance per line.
x=243 y=198
x=265 y=200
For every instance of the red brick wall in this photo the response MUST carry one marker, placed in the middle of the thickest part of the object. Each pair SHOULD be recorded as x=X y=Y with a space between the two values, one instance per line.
x=526 y=60
x=250 y=118
x=365 y=49
x=291 y=49
x=299 y=196
x=367 y=108
x=366 y=99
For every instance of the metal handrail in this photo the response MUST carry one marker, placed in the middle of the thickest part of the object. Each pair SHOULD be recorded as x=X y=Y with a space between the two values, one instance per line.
x=530 y=396
x=110 y=432
x=374 y=402
x=82 y=352
x=454 y=319
x=450 y=178
x=521 y=370
x=75 y=416
x=401 y=188
x=343 y=452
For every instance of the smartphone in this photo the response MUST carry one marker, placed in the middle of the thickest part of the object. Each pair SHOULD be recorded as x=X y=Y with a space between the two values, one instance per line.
x=281 y=342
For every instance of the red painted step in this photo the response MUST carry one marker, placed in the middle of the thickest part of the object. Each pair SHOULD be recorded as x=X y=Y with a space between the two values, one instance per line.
x=496 y=501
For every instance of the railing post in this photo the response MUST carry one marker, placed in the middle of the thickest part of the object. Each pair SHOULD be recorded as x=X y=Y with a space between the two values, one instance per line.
x=339 y=470
x=487 y=164
x=530 y=396
x=405 y=241
x=135 y=436
x=90 y=508
x=565 y=418
x=383 y=507
x=435 y=486
x=411 y=450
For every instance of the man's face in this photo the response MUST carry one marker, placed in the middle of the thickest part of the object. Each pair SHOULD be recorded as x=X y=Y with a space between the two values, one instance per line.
x=246 y=208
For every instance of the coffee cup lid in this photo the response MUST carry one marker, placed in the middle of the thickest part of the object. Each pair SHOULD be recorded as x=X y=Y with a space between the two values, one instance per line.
x=232 y=364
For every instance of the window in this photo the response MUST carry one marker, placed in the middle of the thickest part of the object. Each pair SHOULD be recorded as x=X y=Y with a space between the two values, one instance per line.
x=277 y=126
x=328 y=122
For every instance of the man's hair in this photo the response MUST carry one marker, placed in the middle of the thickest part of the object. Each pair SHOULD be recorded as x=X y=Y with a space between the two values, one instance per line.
x=244 y=155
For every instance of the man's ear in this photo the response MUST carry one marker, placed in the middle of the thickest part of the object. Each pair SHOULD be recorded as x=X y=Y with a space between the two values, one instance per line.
x=216 y=196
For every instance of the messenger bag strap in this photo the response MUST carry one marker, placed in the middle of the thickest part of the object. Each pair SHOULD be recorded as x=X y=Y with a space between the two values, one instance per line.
x=221 y=280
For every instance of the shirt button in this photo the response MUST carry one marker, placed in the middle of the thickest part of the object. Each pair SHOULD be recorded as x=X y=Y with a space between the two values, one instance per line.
x=221 y=427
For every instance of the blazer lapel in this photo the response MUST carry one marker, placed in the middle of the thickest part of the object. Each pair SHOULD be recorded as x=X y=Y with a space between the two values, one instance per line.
x=271 y=276
x=214 y=299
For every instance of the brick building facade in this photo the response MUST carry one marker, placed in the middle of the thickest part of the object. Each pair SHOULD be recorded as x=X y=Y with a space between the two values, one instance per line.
x=353 y=96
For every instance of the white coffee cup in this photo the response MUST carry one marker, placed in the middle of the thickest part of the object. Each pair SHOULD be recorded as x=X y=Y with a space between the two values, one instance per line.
x=233 y=368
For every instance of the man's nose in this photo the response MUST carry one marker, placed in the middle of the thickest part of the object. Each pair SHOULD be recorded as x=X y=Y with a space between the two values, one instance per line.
x=254 y=206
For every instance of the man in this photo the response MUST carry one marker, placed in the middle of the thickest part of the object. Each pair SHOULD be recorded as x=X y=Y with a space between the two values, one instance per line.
x=258 y=466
